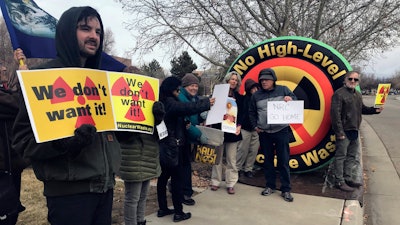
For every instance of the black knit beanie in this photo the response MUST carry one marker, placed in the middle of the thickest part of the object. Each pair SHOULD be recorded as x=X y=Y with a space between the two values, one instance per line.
x=169 y=85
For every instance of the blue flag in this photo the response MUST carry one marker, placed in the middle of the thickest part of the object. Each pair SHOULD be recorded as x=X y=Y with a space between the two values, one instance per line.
x=33 y=30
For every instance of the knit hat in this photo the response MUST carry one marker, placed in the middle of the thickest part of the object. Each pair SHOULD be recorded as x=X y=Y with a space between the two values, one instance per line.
x=267 y=74
x=189 y=79
x=169 y=85
x=249 y=84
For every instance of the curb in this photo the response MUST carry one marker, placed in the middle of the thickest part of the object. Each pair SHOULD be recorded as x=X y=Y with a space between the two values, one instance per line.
x=353 y=213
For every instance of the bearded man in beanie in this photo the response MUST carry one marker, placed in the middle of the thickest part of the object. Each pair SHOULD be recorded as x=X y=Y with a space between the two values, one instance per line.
x=273 y=137
x=188 y=93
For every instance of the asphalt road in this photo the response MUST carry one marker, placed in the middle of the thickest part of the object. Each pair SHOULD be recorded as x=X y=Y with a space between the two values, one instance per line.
x=386 y=125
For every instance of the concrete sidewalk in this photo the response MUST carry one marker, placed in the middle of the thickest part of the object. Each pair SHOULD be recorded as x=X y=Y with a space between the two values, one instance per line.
x=247 y=206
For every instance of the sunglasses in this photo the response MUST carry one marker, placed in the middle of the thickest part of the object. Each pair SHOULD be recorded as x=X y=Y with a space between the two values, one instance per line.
x=351 y=79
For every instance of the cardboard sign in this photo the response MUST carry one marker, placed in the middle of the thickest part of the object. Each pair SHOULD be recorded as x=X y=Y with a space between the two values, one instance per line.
x=381 y=95
x=60 y=100
x=230 y=117
x=208 y=154
x=281 y=112
x=217 y=111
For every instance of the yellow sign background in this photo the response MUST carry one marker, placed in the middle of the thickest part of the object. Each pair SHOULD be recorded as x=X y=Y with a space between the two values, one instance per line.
x=137 y=90
x=381 y=95
x=56 y=97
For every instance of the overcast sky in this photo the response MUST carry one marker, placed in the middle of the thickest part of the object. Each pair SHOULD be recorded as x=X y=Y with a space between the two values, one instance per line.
x=113 y=17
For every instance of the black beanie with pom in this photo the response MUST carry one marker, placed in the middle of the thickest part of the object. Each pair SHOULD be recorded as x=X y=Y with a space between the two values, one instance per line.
x=169 y=85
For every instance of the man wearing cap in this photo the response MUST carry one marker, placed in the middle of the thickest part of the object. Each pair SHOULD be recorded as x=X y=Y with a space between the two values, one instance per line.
x=274 y=138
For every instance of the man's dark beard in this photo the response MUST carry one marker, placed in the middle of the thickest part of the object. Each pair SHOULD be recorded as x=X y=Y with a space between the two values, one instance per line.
x=85 y=54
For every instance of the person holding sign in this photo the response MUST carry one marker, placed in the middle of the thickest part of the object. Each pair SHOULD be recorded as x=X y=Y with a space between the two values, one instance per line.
x=77 y=172
x=346 y=109
x=11 y=163
x=188 y=93
x=173 y=154
x=140 y=163
x=231 y=140
x=274 y=138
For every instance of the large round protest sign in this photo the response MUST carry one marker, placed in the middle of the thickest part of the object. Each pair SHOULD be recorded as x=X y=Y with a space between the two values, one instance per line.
x=313 y=71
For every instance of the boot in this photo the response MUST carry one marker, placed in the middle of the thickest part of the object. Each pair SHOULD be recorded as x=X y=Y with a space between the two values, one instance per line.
x=344 y=187
x=183 y=216
x=142 y=223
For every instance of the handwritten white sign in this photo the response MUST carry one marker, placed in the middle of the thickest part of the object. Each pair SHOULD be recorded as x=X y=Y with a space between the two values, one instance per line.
x=281 y=112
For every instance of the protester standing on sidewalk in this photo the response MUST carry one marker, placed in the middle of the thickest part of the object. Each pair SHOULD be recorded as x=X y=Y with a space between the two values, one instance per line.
x=9 y=105
x=248 y=146
x=188 y=93
x=346 y=109
x=140 y=163
x=172 y=150
x=231 y=141
x=273 y=137
x=78 y=172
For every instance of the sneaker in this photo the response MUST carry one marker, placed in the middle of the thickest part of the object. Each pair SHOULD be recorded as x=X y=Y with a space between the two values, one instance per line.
x=164 y=212
x=249 y=174
x=183 y=216
x=267 y=191
x=287 y=196
x=230 y=190
x=188 y=201
x=353 y=184
x=344 y=187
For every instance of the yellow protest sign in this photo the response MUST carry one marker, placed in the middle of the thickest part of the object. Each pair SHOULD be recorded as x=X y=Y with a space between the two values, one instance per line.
x=60 y=100
x=381 y=95
x=133 y=98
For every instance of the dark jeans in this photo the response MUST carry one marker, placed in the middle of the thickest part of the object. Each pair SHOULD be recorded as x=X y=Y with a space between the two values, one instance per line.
x=187 y=177
x=347 y=161
x=12 y=220
x=81 y=209
x=176 y=175
x=271 y=144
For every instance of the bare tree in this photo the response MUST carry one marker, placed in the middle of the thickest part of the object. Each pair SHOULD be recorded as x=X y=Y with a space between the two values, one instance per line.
x=108 y=42
x=216 y=29
x=396 y=80
x=6 y=50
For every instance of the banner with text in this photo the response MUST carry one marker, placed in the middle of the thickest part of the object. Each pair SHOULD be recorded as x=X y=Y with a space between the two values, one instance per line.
x=60 y=100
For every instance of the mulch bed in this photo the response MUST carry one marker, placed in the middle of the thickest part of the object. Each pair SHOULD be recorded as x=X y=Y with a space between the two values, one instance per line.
x=310 y=183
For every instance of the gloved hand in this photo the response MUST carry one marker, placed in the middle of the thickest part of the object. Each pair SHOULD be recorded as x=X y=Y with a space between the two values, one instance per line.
x=158 y=112
x=203 y=139
x=84 y=136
